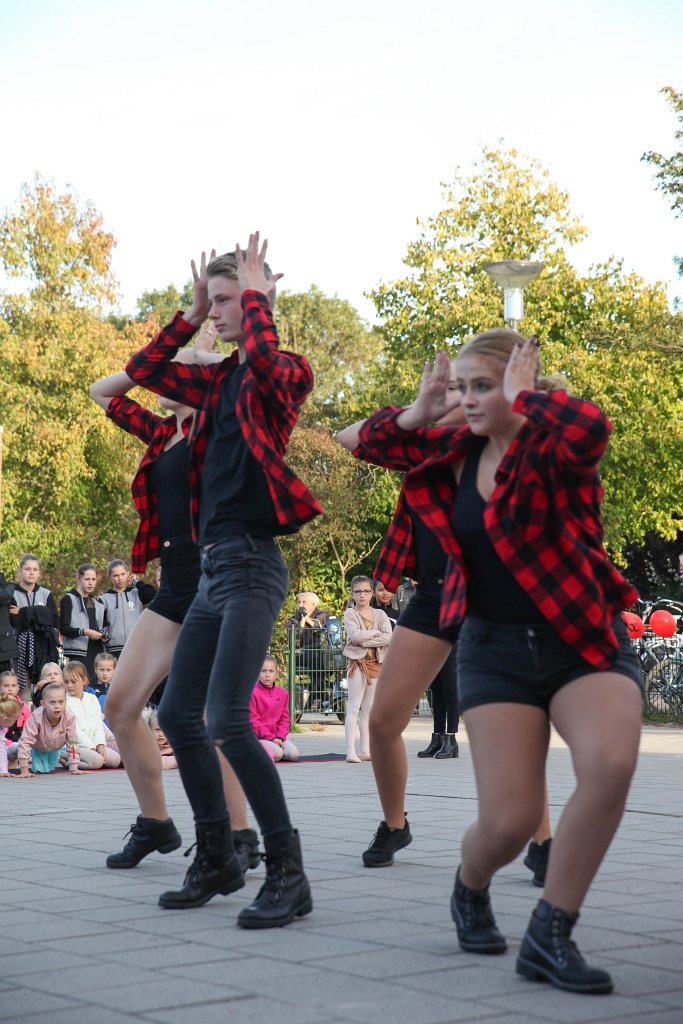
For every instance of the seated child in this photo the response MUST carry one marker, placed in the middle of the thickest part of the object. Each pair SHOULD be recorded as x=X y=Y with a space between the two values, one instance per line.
x=269 y=713
x=105 y=663
x=9 y=687
x=10 y=709
x=49 y=673
x=48 y=730
x=165 y=749
x=94 y=744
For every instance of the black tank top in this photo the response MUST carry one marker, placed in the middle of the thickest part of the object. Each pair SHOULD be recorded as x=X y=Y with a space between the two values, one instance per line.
x=493 y=593
x=430 y=556
x=171 y=485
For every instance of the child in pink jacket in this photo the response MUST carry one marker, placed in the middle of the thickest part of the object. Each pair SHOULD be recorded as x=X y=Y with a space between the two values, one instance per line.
x=50 y=730
x=269 y=713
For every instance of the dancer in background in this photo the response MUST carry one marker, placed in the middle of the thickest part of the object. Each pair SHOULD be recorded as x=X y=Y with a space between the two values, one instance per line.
x=161 y=493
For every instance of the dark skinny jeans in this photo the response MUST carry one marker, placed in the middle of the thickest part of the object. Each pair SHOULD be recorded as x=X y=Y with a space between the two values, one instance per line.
x=216 y=664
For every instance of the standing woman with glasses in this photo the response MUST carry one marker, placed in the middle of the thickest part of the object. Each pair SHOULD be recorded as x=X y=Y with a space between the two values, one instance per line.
x=368 y=632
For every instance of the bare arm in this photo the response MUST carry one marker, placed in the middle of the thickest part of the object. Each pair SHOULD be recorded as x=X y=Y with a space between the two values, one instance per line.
x=349 y=437
x=103 y=390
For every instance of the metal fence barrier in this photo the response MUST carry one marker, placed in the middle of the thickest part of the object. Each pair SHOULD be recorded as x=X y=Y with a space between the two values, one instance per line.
x=312 y=662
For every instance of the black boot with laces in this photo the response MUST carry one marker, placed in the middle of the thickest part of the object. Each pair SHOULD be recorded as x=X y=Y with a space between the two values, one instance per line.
x=386 y=841
x=285 y=894
x=246 y=848
x=474 y=920
x=547 y=953
x=536 y=860
x=146 y=836
x=215 y=869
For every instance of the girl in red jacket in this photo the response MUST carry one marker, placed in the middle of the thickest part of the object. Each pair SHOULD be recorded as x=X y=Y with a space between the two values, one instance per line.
x=269 y=714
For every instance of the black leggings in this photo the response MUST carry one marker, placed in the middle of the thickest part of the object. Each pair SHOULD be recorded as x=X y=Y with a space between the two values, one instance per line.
x=444 y=689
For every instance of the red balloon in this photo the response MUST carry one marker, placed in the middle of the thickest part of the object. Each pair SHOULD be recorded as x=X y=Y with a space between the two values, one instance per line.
x=662 y=623
x=634 y=624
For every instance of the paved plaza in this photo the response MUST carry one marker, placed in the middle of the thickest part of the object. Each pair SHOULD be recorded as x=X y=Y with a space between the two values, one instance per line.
x=83 y=945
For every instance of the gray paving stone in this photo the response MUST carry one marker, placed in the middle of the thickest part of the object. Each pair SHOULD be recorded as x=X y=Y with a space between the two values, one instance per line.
x=379 y=945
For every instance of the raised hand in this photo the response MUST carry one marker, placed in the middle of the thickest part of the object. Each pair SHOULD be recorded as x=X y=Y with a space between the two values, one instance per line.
x=199 y=310
x=251 y=270
x=522 y=369
x=434 y=399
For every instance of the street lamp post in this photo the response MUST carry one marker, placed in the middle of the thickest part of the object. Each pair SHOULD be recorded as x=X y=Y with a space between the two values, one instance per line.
x=513 y=276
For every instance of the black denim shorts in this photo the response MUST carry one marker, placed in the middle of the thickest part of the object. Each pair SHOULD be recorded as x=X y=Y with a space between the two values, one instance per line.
x=526 y=664
x=422 y=614
x=180 y=572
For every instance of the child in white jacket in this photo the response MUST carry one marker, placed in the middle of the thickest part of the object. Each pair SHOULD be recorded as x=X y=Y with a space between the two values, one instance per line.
x=96 y=742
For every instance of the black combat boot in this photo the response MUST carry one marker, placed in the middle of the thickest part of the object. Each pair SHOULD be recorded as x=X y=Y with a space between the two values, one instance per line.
x=285 y=894
x=246 y=848
x=215 y=869
x=449 y=747
x=547 y=953
x=146 y=836
x=474 y=920
x=536 y=860
x=434 y=744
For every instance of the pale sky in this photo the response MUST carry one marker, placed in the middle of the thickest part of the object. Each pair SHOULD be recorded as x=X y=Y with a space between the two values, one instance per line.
x=330 y=126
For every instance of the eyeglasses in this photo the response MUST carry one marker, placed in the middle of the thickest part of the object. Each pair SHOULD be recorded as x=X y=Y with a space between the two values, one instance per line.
x=362 y=591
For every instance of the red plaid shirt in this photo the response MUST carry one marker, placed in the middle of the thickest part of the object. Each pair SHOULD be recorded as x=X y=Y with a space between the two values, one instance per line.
x=155 y=431
x=543 y=517
x=274 y=388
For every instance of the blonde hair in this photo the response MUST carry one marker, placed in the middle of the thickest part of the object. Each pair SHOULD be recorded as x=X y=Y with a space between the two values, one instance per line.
x=105 y=656
x=50 y=664
x=499 y=344
x=10 y=707
x=226 y=266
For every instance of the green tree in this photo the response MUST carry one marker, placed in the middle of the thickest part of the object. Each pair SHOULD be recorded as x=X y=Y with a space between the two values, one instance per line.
x=164 y=303
x=669 y=174
x=66 y=473
x=345 y=354
x=609 y=332
x=357 y=499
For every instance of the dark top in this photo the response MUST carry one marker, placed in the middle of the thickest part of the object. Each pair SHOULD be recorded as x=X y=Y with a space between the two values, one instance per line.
x=430 y=556
x=234 y=493
x=171 y=485
x=492 y=591
x=388 y=609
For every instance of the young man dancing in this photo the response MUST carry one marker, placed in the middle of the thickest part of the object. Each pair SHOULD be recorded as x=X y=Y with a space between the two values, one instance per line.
x=243 y=496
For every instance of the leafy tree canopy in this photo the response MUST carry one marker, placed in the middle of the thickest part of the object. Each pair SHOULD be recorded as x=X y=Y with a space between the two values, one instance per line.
x=66 y=473
x=609 y=332
x=669 y=174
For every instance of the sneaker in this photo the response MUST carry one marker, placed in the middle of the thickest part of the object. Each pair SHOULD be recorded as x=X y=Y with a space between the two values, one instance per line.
x=536 y=860
x=387 y=842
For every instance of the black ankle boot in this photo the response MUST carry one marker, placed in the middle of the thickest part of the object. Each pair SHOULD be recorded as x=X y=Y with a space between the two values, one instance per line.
x=246 y=848
x=285 y=894
x=434 y=744
x=449 y=748
x=215 y=869
x=536 y=860
x=547 y=953
x=146 y=836
x=474 y=920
